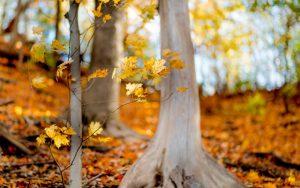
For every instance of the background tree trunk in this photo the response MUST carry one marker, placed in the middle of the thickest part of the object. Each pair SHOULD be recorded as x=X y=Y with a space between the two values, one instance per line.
x=75 y=97
x=57 y=19
x=101 y=96
x=176 y=158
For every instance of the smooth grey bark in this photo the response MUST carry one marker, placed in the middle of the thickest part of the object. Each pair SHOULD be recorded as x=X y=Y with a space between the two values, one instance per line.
x=101 y=96
x=176 y=157
x=75 y=98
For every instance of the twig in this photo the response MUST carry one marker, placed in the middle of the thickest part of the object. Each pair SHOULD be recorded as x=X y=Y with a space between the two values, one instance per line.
x=91 y=180
x=59 y=168
x=7 y=102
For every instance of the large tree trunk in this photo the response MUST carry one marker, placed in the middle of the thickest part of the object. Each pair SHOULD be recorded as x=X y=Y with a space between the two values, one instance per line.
x=101 y=96
x=176 y=157
x=75 y=97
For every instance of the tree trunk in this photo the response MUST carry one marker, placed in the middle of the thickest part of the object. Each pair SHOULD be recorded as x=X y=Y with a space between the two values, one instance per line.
x=176 y=157
x=101 y=96
x=57 y=19
x=75 y=97
x=3 y=15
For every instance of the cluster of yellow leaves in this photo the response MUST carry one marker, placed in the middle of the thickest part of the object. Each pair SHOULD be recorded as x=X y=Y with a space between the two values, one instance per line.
x=100 y=73
x=95 y=129
x=155 y=70
x=128 y=68
x=59 y=135
x=148 y=12
x=137 y=43
x=61 y=68
x=98 y=11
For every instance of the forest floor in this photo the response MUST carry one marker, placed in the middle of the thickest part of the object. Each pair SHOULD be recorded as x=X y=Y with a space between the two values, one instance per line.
x=249 y=135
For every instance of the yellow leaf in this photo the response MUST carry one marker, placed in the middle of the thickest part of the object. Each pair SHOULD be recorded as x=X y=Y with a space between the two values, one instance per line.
x=168 y=53
x=158 y=66
x=270 y=185
x=95 y=128
x=37 y=52
x=106 y=17
x=41 y=139
x=57 y=46
x=291 y=179
x=100 y=73
x=18 y=110
x=78 y=1
x=37 y=30
x=68 y=131
x=104 y=1
x=52 y=131
x=39 y=82
x=128 y=67
x=137 y=43
x=252 y=176
x=116 y=2
x=105 y=139
x=61 y=68
x=182 y=89
x=97 y=12
x=177 y=63
x=132 y=87
x=61 y=140
x=155 y=69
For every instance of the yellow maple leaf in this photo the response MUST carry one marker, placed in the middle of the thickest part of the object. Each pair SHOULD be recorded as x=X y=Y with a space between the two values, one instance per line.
x=61 y=140
x=132 y=87
x=106 y=17
x=39 y=82
x=158 y=66
x=182 y=89
x=37 y=30
x=41 y=139
x=168 y=53
x=177 y=63
x=100 y=73
x=104 y=1
x=155 y=70
x=128 y=67
x=95 y=128
x=68 y=130
x=97 y=12
x=57 y=46
x=61 y=68
x=52 y=131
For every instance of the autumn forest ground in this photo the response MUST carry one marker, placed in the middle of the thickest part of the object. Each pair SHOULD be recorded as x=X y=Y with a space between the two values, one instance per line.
x=261 y=149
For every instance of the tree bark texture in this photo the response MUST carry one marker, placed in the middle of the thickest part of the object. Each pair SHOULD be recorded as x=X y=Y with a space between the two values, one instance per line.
x=75 y=97
x=176 y=158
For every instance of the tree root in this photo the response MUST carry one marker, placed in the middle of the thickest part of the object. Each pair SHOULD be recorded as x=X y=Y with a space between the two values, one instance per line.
x=155 y=170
